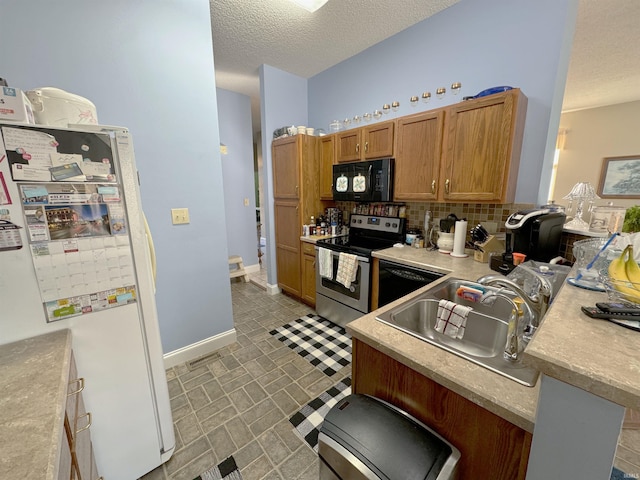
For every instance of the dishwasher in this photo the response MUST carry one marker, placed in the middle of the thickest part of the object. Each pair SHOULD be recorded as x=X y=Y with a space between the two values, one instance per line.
x=396 y=280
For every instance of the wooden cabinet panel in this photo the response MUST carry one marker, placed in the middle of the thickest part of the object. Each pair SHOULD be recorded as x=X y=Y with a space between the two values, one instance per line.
x=285 y=157
x=298 y=178
x=81 y=451
x=378 y=140
x=482 y=144
x=327 y=159
x=348 y=145
x=365 y=143
x=418 y=150
x=78 y=437
x=490 y=447
x=287 y=221
x=64 y=465
x=308 y=274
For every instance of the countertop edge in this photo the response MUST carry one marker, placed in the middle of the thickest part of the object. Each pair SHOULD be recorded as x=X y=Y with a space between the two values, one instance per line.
x=594 y=355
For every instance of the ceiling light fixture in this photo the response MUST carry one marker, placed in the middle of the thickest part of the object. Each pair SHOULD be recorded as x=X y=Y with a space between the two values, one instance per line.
x=310 y=5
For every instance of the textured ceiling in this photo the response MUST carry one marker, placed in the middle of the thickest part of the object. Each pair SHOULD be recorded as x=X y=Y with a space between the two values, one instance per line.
x=605 y=58
x=604 y=67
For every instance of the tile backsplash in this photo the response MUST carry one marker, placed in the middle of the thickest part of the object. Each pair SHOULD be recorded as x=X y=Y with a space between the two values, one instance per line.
x=486 y=214
x=474 y=212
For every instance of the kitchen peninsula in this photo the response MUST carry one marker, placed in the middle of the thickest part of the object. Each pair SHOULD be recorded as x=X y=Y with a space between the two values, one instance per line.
x=596 y=360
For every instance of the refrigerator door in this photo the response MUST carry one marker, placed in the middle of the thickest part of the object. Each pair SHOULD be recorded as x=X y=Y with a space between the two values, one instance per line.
x=90 y=255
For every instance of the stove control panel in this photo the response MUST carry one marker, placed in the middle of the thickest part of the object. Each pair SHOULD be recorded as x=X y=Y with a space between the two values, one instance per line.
x=378 y=224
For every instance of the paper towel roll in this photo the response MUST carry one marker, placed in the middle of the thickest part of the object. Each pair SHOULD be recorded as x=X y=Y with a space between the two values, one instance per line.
x=459 y=239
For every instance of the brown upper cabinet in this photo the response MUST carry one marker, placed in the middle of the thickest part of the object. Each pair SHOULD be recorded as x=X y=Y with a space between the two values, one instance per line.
x=417 y=159
x=481 y=148
x=467 y=152
x=327 y=159
x=373 y=141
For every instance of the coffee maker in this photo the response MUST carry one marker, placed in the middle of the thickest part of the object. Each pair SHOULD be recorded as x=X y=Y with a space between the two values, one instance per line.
x=535 y=233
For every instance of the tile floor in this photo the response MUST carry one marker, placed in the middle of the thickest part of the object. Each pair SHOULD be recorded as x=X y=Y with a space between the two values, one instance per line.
x=240 y=402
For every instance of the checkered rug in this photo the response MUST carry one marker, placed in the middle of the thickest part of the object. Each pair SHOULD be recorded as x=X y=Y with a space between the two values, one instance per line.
x=226 y=470
x=308 y=420
x=325 y=345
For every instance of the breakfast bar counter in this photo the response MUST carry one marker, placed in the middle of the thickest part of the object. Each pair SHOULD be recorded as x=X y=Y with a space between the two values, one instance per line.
x=599 y=359
x=497 y=394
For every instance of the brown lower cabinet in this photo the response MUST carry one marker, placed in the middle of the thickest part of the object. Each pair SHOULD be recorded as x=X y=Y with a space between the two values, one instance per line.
x=77 y=460
x=308 y=273
x=490 y=447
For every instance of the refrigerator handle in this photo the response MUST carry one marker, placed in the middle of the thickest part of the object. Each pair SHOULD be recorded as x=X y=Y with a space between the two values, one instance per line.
x=152 y=250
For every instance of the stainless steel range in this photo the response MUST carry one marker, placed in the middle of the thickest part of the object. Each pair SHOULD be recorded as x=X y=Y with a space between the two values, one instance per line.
x=367 y=233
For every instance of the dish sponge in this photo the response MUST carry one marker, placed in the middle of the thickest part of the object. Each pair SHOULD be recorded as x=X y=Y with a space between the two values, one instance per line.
x=472 y=294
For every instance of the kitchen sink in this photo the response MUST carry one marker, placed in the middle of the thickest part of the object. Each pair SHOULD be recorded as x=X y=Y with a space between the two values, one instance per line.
x=485 y=333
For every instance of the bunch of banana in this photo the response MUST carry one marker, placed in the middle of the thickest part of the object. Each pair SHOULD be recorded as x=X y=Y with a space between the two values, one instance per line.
x=625 y=273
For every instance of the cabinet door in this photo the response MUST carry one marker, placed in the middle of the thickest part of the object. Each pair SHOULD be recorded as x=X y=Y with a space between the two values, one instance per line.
x=418 y=149
x=378 y=140
x=82 y=441
x=64 y=465
x=285 y=155
x=348 y=145
x=327 y=157
x=308 y=274
x=288 y=226
x=483 y=140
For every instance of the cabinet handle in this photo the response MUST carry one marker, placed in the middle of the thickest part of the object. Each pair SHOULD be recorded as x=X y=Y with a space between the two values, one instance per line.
x=297 y=190
x=433 y=186
x=88 y=415
x=446 y=185
x=366 y=147
x=357 y=148
x=80 y=382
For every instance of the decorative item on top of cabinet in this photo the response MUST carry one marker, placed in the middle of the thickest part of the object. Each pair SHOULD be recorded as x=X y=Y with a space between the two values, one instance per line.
x=373 y=141
x=417 y=154
x=481 y=148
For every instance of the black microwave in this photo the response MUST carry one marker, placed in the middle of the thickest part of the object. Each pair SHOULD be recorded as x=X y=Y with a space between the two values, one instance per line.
x=368 y=181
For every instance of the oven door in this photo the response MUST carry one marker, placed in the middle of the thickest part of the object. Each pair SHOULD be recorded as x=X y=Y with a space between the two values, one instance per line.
x=357 y=295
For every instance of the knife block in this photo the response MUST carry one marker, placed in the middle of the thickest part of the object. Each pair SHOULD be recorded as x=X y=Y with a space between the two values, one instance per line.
x=490 y=245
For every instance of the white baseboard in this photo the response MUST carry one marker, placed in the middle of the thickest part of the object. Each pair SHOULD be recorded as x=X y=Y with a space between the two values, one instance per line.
x=199 y=349
x=273 y=289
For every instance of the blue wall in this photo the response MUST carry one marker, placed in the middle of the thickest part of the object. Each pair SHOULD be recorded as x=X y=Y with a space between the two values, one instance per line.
x=284 y=99
x=147 y=65
x=234 y=110
x=481 y=44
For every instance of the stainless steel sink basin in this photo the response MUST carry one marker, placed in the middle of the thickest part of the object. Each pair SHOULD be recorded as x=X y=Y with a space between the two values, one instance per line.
x=485 y=334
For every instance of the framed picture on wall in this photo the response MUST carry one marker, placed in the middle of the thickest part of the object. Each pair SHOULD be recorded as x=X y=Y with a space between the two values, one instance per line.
x=620 y=177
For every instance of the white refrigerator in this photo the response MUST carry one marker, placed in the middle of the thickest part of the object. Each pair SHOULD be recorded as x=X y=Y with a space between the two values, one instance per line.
x=75 y=253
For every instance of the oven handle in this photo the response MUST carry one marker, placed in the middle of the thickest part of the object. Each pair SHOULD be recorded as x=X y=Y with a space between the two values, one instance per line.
x=337 y=254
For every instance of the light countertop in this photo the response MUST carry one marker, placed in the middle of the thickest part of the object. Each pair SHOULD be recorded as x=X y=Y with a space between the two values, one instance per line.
x=595 y=355
x=34 y=377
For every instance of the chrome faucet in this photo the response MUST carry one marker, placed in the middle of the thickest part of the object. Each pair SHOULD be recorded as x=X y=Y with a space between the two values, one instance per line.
x=512 y=346
x=538 y=302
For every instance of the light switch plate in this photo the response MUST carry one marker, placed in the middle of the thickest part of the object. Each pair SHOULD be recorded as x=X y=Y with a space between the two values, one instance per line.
x=179 y=216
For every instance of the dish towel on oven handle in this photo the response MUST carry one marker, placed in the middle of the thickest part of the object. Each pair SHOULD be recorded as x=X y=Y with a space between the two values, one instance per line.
x=325 y=263
x=347 y=269
x=451 y=318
